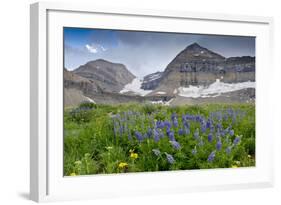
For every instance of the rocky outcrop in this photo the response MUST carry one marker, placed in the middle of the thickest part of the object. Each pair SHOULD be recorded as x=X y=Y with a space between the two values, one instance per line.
x=77 y=89
x=110 y=77
x=196 y=65
x=151 y=81
x=74 y=81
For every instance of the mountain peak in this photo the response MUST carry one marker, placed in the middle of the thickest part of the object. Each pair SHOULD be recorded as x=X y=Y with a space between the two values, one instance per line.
x=109 y=76
x=194 y=45
x=99 y=60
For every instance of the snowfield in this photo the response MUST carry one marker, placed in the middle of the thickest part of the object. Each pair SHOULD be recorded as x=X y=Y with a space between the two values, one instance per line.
x=161 y=102
x=135 y=87
x=213 y=90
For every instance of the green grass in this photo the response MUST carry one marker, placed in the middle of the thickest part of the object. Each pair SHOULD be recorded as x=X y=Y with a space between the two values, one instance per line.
x=91 y=146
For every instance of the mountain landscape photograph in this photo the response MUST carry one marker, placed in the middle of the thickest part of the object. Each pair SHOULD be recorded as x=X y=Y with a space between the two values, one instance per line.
x=140 y=101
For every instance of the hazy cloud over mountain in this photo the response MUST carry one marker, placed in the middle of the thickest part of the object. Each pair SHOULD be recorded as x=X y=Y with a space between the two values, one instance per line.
x=144 y=52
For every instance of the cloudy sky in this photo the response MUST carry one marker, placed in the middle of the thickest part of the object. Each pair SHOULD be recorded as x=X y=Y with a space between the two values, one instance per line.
x=143 y=52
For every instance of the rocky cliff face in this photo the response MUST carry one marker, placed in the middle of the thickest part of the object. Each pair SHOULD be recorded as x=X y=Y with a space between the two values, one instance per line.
x=77 y=89
x=151 y=81
x=74 y=81
x=110 y=77
x=196 y=65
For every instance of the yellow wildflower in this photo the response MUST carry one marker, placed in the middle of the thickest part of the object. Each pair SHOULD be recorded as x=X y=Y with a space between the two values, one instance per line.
x=249 y=156
x=234 y=166
x=134 y=155
x=73 y=174
x=122 y=165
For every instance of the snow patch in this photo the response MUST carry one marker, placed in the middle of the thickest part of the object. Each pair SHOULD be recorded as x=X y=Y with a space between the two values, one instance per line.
x=135 y=87
x=161 y=102
x=161 y=93
x=213 y=90
x=90 y=100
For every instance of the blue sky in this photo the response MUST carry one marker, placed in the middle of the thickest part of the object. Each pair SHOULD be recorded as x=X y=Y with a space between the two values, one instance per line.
x=143 y=52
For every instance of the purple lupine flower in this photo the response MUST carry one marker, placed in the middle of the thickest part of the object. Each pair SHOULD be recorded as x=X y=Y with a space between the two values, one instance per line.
x=186 y=130
x=170 y=158
x=156 y=152
x=125 y=127
x=198 y=118
x=115 y=128
x=181 y=132
x=219 y=145
x=212 y=128
x=145 y=136
x=168 y=130
x=167 y=124
x=173 y=116
x=160 y=124
x=219 y=127
x=208 y=124
x=121 y=129
x=171 y=136
x=183 y=117
x=211 y=157
x=129 y=135
x=175 y=144
x=228 y=150
x=225 y=116
x=156 y=135
x=201 y=143
x=149 y=132
x=218 y=134
x=175 y=122
x=227 y=130
x=210 y=137
x=219 y=116
x=236 y=141
x=186 y=124
x=231 y=132
x=196 y=134
x=139 y=136
x=194 y=151
x=222 y=133
x=203 y=127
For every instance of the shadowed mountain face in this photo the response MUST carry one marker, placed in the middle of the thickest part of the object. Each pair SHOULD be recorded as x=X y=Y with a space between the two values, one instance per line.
x=196 y=65
x=110 y=77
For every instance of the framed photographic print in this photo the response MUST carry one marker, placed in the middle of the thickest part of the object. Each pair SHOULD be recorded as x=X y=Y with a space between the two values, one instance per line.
x=127 y=102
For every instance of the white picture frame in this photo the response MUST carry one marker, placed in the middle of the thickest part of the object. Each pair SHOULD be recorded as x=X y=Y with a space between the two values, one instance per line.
x=47 y=182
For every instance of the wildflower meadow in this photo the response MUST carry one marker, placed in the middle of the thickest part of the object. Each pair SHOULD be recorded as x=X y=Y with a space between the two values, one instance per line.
x=103 y=139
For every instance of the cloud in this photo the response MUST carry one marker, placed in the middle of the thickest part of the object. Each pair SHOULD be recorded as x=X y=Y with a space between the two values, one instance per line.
x=95 y=48
x=91 y=49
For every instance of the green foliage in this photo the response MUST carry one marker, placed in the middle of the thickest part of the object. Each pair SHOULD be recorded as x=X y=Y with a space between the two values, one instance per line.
x=87 y=105
x=102 y=138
